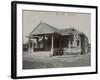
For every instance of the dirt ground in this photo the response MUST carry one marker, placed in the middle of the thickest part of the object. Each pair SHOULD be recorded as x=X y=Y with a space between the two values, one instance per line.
x=31 y=61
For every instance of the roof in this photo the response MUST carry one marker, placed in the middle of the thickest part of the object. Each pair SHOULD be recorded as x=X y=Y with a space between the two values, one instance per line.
x=69 y=31
x=44 y=28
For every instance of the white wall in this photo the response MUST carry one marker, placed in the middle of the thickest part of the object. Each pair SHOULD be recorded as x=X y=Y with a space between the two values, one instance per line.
x=5 y=40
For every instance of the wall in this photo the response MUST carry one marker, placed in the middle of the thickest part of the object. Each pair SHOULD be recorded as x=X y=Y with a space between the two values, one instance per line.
x=5 y=40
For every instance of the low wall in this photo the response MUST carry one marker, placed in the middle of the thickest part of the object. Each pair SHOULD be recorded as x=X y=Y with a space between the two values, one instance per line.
x=42 y=53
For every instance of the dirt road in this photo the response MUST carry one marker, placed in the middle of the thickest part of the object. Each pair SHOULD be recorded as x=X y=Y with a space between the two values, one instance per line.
x=36 y=62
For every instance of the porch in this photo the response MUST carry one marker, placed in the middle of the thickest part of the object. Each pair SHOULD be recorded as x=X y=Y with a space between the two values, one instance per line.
x=54 y=44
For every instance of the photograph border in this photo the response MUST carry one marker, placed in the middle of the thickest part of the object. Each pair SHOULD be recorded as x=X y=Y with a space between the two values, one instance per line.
x=14 y=38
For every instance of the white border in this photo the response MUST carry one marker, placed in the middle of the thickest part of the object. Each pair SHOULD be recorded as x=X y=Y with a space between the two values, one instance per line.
x=36 y=72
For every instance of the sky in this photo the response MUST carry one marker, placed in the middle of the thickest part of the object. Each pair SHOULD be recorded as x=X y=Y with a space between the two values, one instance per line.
x=79 y=21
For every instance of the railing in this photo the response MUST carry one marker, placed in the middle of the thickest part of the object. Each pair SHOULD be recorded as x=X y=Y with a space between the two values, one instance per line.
x=70 y=51
x=42 y=49
x=66 y=51
x=58 y=51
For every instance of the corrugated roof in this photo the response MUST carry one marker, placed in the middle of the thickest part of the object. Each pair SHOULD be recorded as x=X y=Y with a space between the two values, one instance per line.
x=44 y=28
x=69 y=31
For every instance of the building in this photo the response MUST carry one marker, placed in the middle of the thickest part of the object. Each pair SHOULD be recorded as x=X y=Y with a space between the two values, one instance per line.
x=50 y=41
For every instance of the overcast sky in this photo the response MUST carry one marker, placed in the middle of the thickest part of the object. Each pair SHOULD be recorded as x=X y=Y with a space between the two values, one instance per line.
x=78 y=21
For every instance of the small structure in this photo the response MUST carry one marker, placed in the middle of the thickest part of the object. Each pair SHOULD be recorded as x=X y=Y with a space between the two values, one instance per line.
x=48 y=40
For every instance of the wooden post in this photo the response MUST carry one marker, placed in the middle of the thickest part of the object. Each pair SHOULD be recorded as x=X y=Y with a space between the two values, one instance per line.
x=28 y=44
x=52 y=46
x=37 y=43
x=79 y=43
x=60 y=41
x=60 y=50
x=33 y=45
x=44 y=42
x=69 y=45
x=52 y=41
x=74 y=42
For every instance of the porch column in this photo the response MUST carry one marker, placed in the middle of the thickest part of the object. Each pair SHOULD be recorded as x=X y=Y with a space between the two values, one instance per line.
x=80 y=44
x=33 y=45
x=44 y=42
x=60 y=41
x=52 y=46
x=69 y=45
x=28 y=44
x=74 y=42
x=37 y=43
x=29 y=48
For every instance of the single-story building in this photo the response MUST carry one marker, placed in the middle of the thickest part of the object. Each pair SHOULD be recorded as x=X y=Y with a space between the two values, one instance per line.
x=48 y=40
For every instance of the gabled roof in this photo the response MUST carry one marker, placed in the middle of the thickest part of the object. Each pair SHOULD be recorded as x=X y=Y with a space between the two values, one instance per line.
x=44 y=28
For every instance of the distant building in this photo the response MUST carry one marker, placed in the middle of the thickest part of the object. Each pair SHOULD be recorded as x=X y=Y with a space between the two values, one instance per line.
x=48 y=40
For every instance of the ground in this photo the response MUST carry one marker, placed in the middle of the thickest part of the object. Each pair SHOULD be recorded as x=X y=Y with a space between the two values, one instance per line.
x=31 y=61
